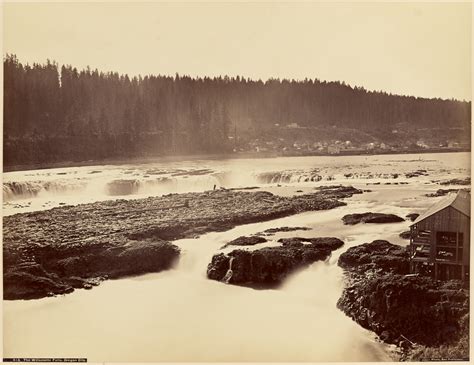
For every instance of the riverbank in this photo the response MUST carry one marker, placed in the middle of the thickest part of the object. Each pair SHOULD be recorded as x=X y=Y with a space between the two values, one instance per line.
x=54 y=251
x=420 y=315
x=234 y=155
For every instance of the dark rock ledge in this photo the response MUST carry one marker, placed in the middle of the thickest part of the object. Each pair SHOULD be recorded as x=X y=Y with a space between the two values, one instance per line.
x=54 y=251
x=443 y=192
x=269 y=266
x=246 y=241
x=371 y=218
x=402 y=309
x=465 y=181
x=272 y=231
x=412 y=216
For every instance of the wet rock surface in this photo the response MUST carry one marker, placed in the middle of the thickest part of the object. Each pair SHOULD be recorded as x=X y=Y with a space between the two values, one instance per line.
x=371 y=218
x=58 y=270
x=272 y=231
x=416 y=173
x=412 y=216
x=406 y=235
x=380 y=296
x=378 y=255
x=443 y=192
x=269 y=266
x=466 y=181
x=70 y=245
x=246 y=241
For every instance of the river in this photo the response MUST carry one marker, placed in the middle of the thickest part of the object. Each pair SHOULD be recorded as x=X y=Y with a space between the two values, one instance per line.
x=180 y=315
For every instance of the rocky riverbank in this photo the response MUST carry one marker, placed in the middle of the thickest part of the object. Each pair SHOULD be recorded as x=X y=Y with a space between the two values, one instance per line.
x=54 y=251
x=410 y=311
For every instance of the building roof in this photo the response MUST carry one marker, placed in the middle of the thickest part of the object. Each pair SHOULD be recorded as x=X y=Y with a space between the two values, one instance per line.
x=461 y=201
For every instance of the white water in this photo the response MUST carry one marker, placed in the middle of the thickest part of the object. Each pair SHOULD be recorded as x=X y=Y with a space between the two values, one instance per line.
x=179 y=315
x=25 y=191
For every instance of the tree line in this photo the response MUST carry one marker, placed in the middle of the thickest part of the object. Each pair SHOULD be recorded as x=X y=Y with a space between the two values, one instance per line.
x=54 y=114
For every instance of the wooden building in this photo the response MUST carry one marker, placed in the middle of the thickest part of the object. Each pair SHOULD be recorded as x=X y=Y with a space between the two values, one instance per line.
x=440 y=239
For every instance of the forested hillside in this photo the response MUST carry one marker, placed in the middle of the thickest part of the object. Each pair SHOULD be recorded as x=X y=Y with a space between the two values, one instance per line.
x=59 y=114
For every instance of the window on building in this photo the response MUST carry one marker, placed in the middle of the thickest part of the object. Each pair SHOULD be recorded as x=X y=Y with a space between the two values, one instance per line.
x=446 y=239
x=449 y=246
x=446 y=254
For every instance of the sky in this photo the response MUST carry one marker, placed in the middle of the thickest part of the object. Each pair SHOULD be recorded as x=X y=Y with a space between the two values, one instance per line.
x=420 y=49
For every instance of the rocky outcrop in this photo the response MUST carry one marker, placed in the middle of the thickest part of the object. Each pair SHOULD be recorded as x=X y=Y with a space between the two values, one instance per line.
x=380 y=296
x=272 y=231
x=416 y=173
x=440 y=192
x=329 y=189
x=269 y=266
x=70 y=246
x=406 y=235
x=60 y=270
x=457 y=350
x=466 y=181
x=397 y=307
x=330 y=243
x=412 y=216
x=371 y=218
x=246 y=241
x=378 y=255
x=443 y=192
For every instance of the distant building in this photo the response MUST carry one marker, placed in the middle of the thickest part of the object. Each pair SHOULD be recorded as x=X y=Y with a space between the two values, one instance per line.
x=421 y=144
x=334 y=150
x=452 y=144
x=293 y=125
x=440 y=239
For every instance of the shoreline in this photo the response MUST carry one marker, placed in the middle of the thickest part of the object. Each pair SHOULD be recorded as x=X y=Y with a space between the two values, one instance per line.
x=421 y=316
x=236 y=155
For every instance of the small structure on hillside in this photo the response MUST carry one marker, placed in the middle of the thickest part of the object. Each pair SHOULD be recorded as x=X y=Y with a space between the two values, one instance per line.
x=440 y=239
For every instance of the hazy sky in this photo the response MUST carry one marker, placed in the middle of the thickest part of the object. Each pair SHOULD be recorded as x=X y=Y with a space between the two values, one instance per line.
x=421 y=49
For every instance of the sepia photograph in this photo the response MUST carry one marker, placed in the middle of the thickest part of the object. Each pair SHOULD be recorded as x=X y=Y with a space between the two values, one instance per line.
x=246 y=181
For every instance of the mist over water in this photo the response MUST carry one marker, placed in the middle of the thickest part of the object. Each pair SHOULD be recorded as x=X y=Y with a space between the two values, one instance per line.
x=180 y=315
x=32 y=190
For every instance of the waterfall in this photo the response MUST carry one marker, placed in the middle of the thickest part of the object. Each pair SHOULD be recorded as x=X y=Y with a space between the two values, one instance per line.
x=228 y=275
x=14 y=190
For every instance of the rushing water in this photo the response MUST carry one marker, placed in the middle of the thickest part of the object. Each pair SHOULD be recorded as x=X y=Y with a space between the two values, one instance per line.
x=43 y=189
x=179 y=315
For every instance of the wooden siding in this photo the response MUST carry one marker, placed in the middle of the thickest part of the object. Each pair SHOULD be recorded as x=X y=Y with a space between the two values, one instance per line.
x=447 y=220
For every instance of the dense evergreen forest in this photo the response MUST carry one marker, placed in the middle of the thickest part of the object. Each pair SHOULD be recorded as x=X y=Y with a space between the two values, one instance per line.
x=58 y=114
